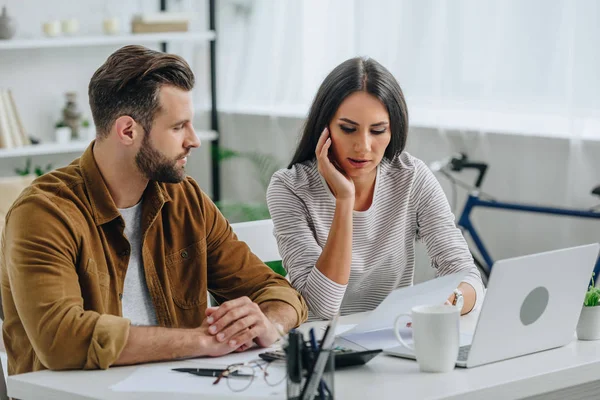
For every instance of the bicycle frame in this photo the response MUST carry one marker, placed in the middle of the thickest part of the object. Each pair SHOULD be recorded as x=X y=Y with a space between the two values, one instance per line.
x=473 y=201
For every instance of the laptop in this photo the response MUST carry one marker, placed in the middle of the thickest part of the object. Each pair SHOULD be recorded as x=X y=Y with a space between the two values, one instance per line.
x=532 y=304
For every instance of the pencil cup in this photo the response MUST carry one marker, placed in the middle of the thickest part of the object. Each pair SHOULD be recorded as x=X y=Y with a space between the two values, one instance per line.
x=300 y=386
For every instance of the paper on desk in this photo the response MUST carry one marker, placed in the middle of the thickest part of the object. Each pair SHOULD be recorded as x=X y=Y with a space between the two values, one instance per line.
x=400 y=301
x=157 y=378
x=160 y=378
x=385 y=338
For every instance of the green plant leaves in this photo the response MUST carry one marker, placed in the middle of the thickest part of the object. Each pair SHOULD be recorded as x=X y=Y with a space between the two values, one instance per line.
x=592 y=296
x=39 y=171
x=265 y=166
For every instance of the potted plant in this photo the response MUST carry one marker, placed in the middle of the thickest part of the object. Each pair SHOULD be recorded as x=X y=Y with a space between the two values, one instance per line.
x=86 y=131
x=62 y=132
x=588 y=327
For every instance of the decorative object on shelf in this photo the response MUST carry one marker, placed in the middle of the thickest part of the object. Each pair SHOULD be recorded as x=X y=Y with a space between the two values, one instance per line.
x=72 y=114
x=62 y=132
x=70 y=26
x=110 y=26
x=160 y=22
x=8 y=25
x=51 y=28
x=38 y=170
x=588 y=327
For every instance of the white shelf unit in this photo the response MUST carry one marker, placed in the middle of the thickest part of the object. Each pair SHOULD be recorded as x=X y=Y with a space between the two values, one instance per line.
x=106 y=40
x=71 y=147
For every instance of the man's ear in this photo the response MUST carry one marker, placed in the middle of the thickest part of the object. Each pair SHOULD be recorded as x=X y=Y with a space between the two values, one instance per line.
x=127 y=129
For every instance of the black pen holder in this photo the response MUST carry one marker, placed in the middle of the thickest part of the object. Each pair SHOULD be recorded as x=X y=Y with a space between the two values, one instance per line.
x=299 y=372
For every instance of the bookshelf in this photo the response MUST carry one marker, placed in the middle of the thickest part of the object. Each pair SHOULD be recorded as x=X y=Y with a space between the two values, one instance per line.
x=163 y=39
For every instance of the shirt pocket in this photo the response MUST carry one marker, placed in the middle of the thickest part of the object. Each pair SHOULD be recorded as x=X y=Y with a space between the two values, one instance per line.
x=187 y=275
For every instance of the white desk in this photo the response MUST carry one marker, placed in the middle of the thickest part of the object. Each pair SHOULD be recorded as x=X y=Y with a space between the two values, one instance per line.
x=570 y=372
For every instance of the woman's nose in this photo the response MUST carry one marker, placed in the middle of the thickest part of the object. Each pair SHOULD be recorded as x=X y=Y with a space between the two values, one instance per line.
x=362 y=143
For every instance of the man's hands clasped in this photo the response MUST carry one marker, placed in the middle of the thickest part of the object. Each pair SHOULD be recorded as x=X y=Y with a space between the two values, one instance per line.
x=235 y=326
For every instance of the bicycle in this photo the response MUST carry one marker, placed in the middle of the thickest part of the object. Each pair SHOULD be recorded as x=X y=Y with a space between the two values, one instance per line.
x=476 y=198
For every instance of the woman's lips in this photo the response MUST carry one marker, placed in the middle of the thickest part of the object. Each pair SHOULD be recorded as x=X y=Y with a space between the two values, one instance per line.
x=358 y=163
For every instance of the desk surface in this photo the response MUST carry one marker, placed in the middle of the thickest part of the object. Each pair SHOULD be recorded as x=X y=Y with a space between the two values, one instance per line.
x=383 y=377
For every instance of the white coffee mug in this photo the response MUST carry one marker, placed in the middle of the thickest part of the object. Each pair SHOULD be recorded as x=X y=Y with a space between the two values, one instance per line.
x=436 y=336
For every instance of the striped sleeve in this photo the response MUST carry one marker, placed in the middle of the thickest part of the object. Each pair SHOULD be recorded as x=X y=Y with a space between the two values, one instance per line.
x=300 y=251
x=445 y=243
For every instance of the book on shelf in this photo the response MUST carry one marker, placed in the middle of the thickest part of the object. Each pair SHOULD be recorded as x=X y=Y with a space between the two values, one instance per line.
x=12 y=133
x=160 y=22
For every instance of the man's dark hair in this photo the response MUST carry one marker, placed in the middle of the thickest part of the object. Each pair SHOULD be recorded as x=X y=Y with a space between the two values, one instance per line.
x=128 y=83
x=353 y=75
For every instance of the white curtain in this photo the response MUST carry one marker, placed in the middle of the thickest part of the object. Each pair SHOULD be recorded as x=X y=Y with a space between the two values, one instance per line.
x=515 y=83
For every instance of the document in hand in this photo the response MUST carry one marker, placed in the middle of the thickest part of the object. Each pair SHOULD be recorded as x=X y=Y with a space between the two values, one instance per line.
x=376 y=330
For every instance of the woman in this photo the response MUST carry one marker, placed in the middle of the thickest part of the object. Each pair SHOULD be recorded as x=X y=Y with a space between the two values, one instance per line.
x=350 y=205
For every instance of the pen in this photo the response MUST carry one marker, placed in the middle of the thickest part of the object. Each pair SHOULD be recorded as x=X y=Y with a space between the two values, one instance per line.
x=201 y=371
x=211 y=372
x=315 y=349
x=294 y=357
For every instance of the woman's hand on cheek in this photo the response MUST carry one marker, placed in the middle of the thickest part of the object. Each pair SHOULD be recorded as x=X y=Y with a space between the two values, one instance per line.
x=340 y=184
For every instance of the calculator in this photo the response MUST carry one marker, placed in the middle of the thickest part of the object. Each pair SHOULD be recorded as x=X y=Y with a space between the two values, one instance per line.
x=344 y=357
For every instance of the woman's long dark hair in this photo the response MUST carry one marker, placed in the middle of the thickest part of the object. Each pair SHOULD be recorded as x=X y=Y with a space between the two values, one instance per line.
x=355 y=74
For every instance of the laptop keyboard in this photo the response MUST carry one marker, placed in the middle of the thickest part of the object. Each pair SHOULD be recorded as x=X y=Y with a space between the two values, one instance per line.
x=463 y=352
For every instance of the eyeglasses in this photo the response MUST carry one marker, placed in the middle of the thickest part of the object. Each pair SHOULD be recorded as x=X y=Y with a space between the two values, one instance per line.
x=240 y=376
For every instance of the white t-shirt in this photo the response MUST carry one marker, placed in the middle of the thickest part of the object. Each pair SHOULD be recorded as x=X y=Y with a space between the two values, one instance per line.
x=137 y=302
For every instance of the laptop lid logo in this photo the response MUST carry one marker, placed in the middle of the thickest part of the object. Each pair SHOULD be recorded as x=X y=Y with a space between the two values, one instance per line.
x=534 y=305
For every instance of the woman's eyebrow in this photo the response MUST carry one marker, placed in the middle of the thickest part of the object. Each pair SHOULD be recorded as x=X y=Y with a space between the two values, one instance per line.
x=349 y=121
x=357 y=124
x=381 y=123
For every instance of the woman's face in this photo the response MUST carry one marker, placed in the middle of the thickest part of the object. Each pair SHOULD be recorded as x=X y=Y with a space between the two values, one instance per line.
x=360 y=133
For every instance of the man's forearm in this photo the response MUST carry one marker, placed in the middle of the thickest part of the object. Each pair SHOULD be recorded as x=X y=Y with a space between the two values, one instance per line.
x=281 y=313
x=149 y=343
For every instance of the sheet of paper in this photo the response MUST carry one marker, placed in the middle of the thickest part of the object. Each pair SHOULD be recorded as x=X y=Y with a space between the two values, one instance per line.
x=385 y=338
x=399 y=301
x=157 y=378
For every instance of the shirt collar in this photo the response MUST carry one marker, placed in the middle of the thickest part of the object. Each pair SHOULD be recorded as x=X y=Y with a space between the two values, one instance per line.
x=103 y=206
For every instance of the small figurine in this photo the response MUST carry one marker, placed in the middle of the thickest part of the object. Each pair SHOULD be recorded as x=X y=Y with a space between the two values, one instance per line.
x=72 y=114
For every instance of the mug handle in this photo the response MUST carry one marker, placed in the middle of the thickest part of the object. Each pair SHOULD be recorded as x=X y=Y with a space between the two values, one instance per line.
x=397 y=333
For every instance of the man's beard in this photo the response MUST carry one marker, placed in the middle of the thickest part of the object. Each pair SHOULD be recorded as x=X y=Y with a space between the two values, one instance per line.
x=156 y=167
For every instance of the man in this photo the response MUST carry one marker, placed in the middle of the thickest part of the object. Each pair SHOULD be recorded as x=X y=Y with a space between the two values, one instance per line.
x=108 y=261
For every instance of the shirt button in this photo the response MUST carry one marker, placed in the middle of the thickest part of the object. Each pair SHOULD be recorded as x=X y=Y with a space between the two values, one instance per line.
x=120 y=296
x=184 y=254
